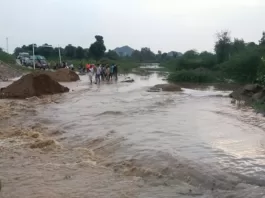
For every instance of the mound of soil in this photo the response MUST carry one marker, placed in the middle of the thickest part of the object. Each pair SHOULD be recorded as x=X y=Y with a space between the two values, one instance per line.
x=64 y=75
x=167 y=87
x=34 y=84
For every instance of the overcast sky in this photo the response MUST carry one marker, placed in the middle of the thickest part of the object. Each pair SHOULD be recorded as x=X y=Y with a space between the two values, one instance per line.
x=163 y=25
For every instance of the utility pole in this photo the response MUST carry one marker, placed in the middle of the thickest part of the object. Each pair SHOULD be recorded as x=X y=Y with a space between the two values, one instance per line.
x=33 y=57
x=60 y=58
x=6 y=44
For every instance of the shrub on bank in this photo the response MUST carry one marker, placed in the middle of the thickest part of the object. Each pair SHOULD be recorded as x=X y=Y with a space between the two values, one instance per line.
x=7 y=58
x=243 y=68
x=259 y=107
x=192 y=76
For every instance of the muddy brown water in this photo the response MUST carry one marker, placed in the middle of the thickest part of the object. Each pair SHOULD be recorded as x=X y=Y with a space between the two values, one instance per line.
x=193 y=143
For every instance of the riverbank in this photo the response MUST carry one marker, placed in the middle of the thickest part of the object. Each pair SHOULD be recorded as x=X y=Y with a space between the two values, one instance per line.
x=251 y=94
x=8 y=71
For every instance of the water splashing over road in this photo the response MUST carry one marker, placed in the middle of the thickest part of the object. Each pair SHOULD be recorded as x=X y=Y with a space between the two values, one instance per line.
x=193 y=143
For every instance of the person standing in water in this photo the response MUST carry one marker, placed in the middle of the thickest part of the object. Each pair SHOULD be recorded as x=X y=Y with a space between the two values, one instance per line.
x=107 y=73
x=98 y=73
x=90 y=71
x=111 y=71
x=115 y=72
x=103 y=71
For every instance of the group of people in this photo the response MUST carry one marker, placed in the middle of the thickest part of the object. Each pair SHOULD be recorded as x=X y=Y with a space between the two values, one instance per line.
x=102 y=72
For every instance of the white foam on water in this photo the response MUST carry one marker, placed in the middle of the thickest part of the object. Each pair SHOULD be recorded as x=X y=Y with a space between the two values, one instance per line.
x=202 y=93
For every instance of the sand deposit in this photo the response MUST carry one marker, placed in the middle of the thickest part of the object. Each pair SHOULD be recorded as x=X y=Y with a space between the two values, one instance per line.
x=34 y=84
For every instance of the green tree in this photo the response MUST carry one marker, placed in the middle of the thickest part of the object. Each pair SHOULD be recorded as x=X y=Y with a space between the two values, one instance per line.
x=251 y=45
x=222 y=46
x=158 y=56
x=69 y=51
x=147 y=55
x=45 y=50
x=87 y=53
x=243 y=67
x=164 y=57
x=112 y=55
x=238 y=46
x=79 y=53
x=55 y=52
x=208 y=60
x=17 y=51
x=190 y=54
x=136 y=55
x=262 y=40
x=97 y=49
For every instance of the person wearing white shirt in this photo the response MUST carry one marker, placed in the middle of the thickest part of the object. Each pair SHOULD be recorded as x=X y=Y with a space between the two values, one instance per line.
x=90 y=74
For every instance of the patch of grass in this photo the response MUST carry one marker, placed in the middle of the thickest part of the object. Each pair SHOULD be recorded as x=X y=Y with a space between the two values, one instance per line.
x=7 y=58
x=20 y=68
x=126 y=66
x=192 y=76
x=170 y=65
x=259 y=107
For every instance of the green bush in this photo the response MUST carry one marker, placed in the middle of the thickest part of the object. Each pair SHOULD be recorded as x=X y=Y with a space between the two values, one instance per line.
x=243 y=68
x=191 y=60
x=170 y=65
x=193 y=76
x=261 y=72
x=126 y=66
x=7 y=58
x=259 y=106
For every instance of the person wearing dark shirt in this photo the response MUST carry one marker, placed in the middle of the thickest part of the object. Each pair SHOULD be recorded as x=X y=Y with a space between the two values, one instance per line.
x=115 y=72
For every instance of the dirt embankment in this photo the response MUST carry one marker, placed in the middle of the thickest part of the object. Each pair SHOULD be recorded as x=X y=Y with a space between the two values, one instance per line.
x=61 y=75
x=250 y=93
x=6 y=71
x=34 y=84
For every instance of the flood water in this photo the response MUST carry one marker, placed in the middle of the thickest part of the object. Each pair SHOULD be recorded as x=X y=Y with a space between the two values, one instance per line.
x=171 y=139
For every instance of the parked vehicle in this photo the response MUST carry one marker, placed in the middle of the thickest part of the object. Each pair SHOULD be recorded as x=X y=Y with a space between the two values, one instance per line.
x=23 y=54
x=22 y=57
x=40 y=62
x=27 y=61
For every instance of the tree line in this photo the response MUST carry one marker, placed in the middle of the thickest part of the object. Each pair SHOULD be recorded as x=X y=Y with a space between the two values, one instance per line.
x=233 y=59
x=96 y=51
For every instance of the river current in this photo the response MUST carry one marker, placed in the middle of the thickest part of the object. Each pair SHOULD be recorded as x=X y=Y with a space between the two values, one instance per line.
x=194 y=143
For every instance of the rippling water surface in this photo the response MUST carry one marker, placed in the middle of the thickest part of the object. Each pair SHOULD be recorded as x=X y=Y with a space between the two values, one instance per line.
x=195 y=136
